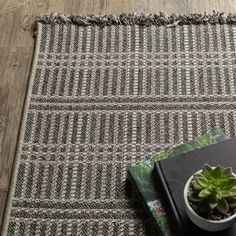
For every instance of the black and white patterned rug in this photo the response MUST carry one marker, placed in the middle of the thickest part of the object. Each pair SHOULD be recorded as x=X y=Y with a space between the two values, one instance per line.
x=106 y=93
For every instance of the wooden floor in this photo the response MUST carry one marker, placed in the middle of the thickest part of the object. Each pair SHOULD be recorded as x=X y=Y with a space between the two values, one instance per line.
x=16 y=51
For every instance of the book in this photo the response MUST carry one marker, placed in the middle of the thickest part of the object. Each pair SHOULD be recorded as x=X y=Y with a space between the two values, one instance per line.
x=142 y=178
x=172 y=174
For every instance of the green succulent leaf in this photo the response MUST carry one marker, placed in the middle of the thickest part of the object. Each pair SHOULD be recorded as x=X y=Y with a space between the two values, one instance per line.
x=193 y=198
x=199 y=175
x=228 y=193
x=223 y=206
x=231 y=201
x=228 y=183
x=196 y=185
x=213 y=201
x=207 y=170
x=233 y=188
x=204 y=193
x=227 y=172
x=202 y=181
x=219 y=195
x=217 y=172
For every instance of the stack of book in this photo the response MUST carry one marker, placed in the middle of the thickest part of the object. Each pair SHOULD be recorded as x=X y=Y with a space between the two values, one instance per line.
x=160 y=181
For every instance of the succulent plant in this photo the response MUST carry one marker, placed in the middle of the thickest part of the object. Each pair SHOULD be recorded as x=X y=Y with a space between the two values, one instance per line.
x=214 y=189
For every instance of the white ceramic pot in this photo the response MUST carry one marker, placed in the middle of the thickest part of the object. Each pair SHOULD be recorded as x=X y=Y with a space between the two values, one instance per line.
x=206 y=224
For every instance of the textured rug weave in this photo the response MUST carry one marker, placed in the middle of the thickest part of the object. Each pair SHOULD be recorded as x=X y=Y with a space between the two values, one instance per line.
x=105 y=94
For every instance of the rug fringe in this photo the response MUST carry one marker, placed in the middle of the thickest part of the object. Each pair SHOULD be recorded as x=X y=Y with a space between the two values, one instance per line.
x=139 y=19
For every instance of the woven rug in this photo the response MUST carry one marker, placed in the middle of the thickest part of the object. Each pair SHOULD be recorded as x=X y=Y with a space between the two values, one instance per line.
x=106 y=93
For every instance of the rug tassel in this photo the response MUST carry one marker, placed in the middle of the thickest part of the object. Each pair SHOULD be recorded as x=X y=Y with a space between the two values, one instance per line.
x=139 y=19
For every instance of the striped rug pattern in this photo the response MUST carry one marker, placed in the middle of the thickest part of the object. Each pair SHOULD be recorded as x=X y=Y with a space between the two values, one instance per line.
x=102 y=98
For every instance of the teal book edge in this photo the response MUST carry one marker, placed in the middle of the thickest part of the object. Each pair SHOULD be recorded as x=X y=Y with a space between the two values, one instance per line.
x=141 y=177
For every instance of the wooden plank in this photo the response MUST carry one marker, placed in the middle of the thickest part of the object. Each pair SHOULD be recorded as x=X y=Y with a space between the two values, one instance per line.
x=18 y=61
x=11 y=18
x=118 y=7
x=15 y=69
x=208 y=6
x=3 y=199
x=86 y=7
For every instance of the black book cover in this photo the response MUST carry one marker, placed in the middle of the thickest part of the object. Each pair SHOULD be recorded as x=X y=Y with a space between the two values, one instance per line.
x=172 y=174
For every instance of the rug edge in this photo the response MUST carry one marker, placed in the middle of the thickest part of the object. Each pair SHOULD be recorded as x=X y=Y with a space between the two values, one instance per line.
x=139 y=19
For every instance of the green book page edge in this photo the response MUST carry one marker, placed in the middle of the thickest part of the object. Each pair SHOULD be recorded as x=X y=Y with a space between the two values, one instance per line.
x=141 y=176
